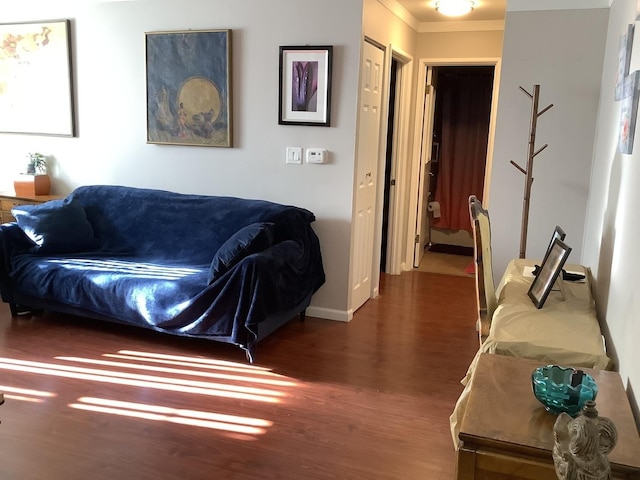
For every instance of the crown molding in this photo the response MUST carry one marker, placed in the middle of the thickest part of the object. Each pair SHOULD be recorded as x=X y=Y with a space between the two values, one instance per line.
x=461 y=26
x=531 y=5
x=401 y=12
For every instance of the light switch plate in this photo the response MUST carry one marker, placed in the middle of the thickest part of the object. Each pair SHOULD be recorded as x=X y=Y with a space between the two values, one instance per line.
x=294 y=155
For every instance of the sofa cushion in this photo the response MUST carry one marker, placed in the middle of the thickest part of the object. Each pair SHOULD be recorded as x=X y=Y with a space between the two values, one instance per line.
x=56 y=226
x=248 y=240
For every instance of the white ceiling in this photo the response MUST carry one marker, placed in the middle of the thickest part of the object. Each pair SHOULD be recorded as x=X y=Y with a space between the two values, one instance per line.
x=485 y=10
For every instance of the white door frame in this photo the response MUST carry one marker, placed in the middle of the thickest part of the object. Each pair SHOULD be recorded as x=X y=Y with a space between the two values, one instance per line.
x=400 y=162
x=424 y=63
x=424 y=183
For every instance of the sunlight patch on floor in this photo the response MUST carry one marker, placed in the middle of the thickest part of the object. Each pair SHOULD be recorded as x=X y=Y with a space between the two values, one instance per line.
x=25 y=394
x=196 y=418
x=180 y=371
x=174 y=373
x=199 y=362
x=149 y=381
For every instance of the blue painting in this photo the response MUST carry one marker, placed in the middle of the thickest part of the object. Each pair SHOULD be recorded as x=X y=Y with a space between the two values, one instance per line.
x=188 y=88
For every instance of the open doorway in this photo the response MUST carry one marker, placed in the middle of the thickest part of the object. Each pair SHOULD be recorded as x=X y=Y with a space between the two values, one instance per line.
x=389 y=181
x=456 y=142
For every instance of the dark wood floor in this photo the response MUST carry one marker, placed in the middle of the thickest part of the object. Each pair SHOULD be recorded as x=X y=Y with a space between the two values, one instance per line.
x=368 y=399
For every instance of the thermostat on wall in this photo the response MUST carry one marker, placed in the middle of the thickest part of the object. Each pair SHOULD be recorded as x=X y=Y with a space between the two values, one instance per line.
x=316 y=155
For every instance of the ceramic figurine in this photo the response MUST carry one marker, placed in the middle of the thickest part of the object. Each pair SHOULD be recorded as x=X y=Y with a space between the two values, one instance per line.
x=582 y=444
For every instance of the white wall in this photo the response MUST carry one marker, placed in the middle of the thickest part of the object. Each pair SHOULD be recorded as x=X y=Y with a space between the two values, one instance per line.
x=562 y=51
x=109 y=62
x=612 y=228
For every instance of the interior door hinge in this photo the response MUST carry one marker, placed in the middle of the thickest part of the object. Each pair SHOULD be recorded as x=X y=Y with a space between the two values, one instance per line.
x=418 y=238
x=393 y=182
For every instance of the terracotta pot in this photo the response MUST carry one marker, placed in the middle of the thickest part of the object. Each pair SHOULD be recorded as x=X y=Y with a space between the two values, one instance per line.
x=32 y=185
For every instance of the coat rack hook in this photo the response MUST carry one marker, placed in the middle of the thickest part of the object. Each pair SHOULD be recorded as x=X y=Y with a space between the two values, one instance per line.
x=529 y=95
x=541 y=149
x=542 y=111
x=518 y=167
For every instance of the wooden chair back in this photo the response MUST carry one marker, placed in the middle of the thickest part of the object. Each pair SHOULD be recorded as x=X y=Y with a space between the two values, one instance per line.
x=485 y=289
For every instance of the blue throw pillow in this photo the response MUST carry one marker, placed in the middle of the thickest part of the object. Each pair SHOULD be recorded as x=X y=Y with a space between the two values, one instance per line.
x=246 y=241
x=57 y=226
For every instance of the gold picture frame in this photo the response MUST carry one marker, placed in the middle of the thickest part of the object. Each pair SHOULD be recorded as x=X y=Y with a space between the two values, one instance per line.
x=188 y=80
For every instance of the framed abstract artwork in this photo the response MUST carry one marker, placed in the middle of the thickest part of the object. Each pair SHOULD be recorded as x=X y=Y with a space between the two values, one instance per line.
x=629 y=112
x=625 y=47
x=189 y=88
x=551 y=267
x=36 y=81
x=305 y=86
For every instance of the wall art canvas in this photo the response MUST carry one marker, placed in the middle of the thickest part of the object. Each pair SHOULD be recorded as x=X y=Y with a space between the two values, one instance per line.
x=624 y=60
x=36 y=89
x=189 y=88
x=305 y=86
x=629 y=112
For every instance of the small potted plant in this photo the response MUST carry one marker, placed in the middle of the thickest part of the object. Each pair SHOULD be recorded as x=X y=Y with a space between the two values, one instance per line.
x=35 y=180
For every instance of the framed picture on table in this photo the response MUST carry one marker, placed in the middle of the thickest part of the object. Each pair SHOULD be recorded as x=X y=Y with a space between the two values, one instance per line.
x=305 y=86
x=551 y=267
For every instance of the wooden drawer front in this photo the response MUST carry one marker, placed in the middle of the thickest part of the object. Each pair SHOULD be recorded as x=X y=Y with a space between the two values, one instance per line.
x=6 y=217
x=8 y=204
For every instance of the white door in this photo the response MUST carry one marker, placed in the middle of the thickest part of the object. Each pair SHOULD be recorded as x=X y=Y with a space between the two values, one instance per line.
x=366 y=173
x=422 y=219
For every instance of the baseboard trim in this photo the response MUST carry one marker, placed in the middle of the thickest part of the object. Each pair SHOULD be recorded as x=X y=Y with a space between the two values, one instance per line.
x=330 y=314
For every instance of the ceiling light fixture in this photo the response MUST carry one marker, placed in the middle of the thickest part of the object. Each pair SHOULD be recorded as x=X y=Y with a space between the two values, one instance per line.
x=454 y=8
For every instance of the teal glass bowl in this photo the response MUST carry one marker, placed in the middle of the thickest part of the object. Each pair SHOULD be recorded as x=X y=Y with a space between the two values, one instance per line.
x=562 y=389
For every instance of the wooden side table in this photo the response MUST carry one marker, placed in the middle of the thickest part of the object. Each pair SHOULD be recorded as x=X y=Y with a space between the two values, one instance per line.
x=9 y=200
x=507 y=434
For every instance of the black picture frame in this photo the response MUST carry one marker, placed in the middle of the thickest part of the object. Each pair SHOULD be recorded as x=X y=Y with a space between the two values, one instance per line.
x=558 y=233
x=305 y=85
x=551 y=267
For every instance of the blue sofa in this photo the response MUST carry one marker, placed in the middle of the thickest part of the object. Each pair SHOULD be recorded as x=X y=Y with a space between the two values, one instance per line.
x=221 y=268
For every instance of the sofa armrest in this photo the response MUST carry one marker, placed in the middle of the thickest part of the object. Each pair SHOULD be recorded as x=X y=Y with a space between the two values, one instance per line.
x=13 y=241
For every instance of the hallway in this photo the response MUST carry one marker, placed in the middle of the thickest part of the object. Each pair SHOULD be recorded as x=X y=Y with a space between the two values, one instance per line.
x=446 y=264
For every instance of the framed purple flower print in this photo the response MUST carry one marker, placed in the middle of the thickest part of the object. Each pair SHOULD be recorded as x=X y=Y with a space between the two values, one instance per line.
x=305 y=86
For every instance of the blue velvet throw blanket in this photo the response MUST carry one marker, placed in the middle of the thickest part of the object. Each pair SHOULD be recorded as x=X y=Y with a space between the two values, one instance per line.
x=189 y=265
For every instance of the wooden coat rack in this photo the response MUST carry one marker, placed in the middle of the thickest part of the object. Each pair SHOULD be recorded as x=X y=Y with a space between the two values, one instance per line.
x=528 y=172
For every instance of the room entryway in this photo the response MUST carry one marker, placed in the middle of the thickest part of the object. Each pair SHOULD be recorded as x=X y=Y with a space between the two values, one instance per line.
x=455 y=164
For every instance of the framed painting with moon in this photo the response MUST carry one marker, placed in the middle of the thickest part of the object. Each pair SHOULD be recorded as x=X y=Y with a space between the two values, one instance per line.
x=189 y=88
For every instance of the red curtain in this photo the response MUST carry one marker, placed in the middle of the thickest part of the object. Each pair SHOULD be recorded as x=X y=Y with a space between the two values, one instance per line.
x=463 y=108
